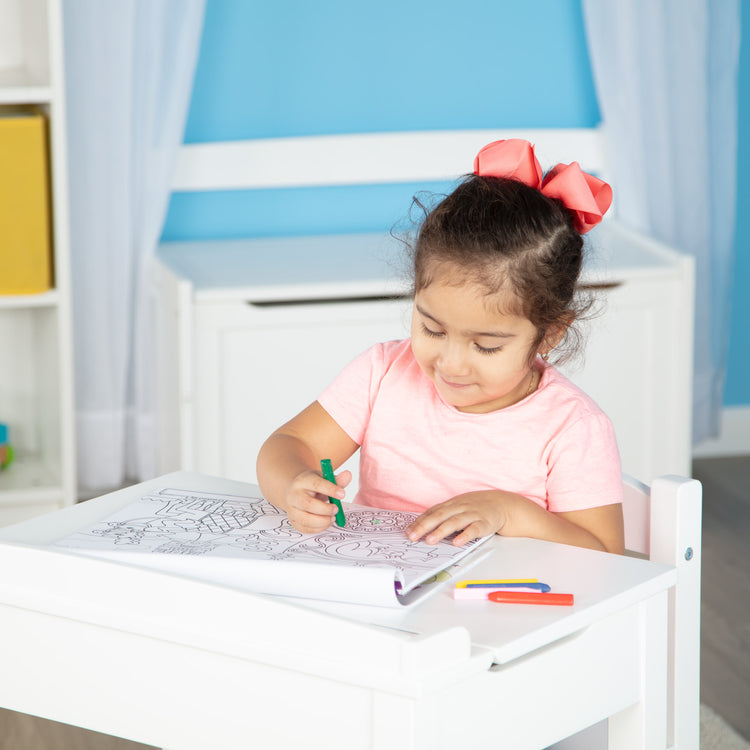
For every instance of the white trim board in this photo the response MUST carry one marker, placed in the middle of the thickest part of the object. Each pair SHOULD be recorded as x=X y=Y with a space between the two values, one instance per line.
x=734 y=439
x=367 y=158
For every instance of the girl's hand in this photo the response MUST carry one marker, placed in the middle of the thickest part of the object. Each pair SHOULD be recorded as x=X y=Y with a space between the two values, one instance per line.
x=478 y=514
x=474 y=514
x=307 y=504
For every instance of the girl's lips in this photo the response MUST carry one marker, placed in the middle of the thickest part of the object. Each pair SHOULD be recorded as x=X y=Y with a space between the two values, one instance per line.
x=451 y=384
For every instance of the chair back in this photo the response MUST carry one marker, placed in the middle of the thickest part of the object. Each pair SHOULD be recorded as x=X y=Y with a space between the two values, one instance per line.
x=663 y=523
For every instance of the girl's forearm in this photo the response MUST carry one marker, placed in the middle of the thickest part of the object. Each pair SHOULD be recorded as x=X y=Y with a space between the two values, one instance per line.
x=525 y=518
x=281 y=458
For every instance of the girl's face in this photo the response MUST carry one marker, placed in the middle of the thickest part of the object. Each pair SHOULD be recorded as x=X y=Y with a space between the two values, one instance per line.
x=477 y=357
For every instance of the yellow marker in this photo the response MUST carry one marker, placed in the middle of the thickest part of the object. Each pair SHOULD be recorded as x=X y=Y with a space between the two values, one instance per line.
x=499 y=581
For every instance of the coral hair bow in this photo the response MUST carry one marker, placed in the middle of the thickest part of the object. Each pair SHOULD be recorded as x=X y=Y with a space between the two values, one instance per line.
x=587 y=197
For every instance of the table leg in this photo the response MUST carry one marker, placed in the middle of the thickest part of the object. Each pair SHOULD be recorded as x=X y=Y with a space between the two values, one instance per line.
x=644 y=724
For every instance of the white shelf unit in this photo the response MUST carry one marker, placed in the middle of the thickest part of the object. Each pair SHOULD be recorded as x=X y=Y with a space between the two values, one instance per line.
x=251 y=331
x=36 y=381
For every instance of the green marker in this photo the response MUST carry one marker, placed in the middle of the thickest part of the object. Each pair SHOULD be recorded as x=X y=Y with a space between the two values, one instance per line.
x=327 y=469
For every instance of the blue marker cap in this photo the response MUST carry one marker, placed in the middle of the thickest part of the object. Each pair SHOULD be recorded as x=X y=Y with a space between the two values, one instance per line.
x=510 y=586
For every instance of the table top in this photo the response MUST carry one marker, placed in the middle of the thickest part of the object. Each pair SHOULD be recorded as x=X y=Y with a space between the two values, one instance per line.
x=78 y=587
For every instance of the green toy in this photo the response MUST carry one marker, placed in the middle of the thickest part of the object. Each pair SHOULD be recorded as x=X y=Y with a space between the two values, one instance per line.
x=6 y=451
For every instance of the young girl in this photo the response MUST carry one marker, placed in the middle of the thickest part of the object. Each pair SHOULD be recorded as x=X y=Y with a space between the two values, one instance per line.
x=465 y=422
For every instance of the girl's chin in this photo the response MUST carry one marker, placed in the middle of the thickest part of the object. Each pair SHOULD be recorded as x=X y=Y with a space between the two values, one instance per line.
x=475 y=405
x=462 y=402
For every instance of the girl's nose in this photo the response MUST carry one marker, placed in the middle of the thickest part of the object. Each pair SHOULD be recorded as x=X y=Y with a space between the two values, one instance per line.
x=452 y=359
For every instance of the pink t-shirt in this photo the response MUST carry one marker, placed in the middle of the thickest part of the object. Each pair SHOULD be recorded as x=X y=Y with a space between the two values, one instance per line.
x=555 y=447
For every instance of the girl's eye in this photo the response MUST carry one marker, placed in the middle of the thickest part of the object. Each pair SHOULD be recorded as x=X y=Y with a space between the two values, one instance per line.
x=485 y=350
x=428 y=332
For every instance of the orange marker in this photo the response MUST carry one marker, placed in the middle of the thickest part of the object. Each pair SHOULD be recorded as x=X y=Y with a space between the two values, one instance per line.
x=524 y=597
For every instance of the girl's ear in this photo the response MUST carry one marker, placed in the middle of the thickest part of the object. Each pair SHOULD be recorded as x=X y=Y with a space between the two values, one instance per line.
x=555 y=335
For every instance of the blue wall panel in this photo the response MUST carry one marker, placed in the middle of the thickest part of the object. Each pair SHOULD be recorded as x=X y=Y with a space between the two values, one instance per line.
x=302 y=67
x=293 y=211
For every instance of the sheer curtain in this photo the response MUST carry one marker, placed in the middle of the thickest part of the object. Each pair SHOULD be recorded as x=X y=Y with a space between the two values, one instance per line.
x=129 y=75
x=666 y=78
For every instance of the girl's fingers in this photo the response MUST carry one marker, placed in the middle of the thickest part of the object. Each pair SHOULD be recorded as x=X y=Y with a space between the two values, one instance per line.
x=343 y=479
x=311 y=514
x=472 y=515
x=442 y=521
x=433 y=530
x=452 y=526
x=328 y=489
x=429 y=521
x=313 y=485
x=309 y=524
x=309 y=509
x=471 y=532
x=316 y=505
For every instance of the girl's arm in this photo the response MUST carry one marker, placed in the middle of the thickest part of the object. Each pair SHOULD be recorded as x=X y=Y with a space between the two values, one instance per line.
x=477 y=514
x=288 y=468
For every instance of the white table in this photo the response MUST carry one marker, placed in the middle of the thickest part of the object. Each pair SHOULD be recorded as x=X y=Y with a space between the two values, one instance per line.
x=180 y=663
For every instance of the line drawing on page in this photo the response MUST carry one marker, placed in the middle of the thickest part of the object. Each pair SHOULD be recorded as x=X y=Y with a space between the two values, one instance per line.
x=179 y=522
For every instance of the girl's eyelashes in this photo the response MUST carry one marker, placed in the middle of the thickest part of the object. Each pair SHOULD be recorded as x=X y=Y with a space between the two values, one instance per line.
x=485 y=350
x=429 y=332
x=481 y=349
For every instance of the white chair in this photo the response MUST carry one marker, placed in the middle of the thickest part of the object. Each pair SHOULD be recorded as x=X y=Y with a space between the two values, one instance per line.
x=663 y=523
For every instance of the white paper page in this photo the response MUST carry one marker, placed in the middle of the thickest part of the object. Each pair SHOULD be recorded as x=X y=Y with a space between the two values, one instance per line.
x=248 y=543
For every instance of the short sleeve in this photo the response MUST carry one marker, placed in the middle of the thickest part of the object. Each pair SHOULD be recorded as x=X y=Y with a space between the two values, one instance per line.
x=349 y=398
x=584 y=468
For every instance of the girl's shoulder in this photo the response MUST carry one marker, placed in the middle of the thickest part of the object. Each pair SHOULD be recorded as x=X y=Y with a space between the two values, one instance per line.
x=394 y=350
x=387 y=355
x=380 y=360
x=557 y=389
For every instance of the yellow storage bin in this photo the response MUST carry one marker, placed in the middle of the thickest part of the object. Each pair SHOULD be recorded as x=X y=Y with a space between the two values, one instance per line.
x=25 y=236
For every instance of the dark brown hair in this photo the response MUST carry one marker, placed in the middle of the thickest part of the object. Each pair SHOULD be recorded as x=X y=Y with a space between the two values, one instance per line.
x=508 y=237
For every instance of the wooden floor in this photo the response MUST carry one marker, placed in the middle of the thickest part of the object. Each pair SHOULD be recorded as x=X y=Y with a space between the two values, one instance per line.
x=725 y=591
x=725 y=622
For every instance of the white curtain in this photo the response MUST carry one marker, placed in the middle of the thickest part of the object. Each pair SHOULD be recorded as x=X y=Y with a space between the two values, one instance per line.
x=666 y=79
x=129 y=75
